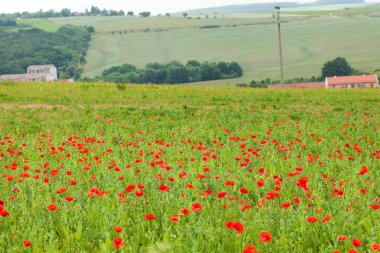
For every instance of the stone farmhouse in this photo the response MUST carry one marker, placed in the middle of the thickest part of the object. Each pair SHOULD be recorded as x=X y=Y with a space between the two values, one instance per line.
x=46 y=73
x=352 y=82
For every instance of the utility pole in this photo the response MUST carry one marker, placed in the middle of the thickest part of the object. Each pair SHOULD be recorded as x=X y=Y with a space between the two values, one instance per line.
x=277 y=9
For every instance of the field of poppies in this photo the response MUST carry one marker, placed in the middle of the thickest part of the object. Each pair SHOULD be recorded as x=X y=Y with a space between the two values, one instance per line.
x=95 y=168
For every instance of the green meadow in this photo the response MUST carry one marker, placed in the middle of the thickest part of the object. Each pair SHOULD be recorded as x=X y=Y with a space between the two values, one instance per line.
x=156 y=168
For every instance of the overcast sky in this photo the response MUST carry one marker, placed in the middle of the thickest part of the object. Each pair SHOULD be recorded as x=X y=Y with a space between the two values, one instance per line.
x=154 y=6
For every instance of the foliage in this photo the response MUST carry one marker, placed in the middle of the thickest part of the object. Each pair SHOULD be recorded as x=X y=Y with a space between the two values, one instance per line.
x=8 y=22
x=90 y=168
x=65 y=12
x=65 y=49
x=337 y=67
x=144 y=14
x=172 y=73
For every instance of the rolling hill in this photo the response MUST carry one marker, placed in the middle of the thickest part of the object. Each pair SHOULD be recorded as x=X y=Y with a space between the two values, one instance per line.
x=250 y=39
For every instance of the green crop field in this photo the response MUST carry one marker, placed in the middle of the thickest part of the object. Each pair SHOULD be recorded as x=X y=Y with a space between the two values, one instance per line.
x=43 y=24
x=309 y=40
x=155 y=168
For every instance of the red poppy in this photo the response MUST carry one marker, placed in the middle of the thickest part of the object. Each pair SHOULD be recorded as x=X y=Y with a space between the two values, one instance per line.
x=249 y=249
x=26 y=244
x=51 y=207
x=4 y=213
x=356 y=242
x=327 y=218
x=185 y=211
x=118 y=242
x=244 y=191
x=375 y=247
x=311 y=219
x=69 y=198
x=118 y=229
x=150 y=217
x=174 y=218
x=196 y=207
x=239 y=227
x=352 y=251
x=342 y=238
x=139 y=193
x=374 y=206
x=265 y=237
x=230 y=224
x=222 y=194
x=285 y=205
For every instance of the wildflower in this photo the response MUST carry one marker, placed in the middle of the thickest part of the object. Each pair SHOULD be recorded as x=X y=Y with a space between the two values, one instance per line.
x=118 y=242
x=311 y=219
x=196 y=207
x=118 y=229
x=26 y=244
x=326 y=219
x=356 y=242
x=249 y=249
x=265 y=237
x=51 y=207
x=69 y=198
x=150 y=217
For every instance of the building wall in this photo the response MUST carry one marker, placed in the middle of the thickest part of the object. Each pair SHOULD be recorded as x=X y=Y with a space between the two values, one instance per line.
x=353 y=86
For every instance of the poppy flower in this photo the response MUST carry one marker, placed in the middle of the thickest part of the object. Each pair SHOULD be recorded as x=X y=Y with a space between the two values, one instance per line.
x=118 y=242
x=51 y=207
x=118 y=229
x=230 y=224
x=244 y=191
x=26 y=244
x=150 y=217
x=196 y=207
x=69 y=198
x=174 y=218
x=375 y=247
x=239 y=227
x=374 y=206
x=185 y=211
x=342 y=238
x=311 y=219
x=327 y=218
x=265 y=237
x=356 y=242
x=285 y=205
x=249 y=249
x=4 y=213
x=222 y=194
x=352 y=251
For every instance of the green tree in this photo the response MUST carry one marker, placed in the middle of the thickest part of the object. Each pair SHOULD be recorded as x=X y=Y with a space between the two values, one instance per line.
x=337 y=67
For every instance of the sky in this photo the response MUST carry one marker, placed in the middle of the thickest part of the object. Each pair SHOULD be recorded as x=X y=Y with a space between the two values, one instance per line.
x=154 y=6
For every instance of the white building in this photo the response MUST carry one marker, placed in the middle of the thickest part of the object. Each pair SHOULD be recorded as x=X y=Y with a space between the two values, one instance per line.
x=47 y=73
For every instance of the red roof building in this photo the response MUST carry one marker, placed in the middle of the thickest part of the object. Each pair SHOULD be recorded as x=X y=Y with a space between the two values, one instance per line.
x=352 y=82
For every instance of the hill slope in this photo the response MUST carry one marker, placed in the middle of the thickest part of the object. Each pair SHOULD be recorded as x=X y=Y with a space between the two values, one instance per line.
x=308 y=42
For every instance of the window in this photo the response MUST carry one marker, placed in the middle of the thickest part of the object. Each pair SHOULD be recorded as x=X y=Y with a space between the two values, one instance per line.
x=344 y=86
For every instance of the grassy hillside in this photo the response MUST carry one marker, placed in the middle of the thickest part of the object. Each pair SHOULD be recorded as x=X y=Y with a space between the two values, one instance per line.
x=251 y=40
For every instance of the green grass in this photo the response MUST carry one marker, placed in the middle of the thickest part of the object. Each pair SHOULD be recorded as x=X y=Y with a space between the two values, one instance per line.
x=308 y=42
x=53 y=134
x=43 y=24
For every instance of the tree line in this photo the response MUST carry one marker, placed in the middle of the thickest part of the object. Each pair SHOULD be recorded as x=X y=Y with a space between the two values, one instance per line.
x=66 y=49
x=172 y=73
x=66 y=12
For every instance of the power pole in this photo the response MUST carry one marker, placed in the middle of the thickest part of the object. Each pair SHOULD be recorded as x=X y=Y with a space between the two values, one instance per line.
x=277 y=9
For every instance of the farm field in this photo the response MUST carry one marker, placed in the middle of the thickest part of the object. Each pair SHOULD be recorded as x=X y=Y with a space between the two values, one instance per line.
x=309 y=40
x=96 y=168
